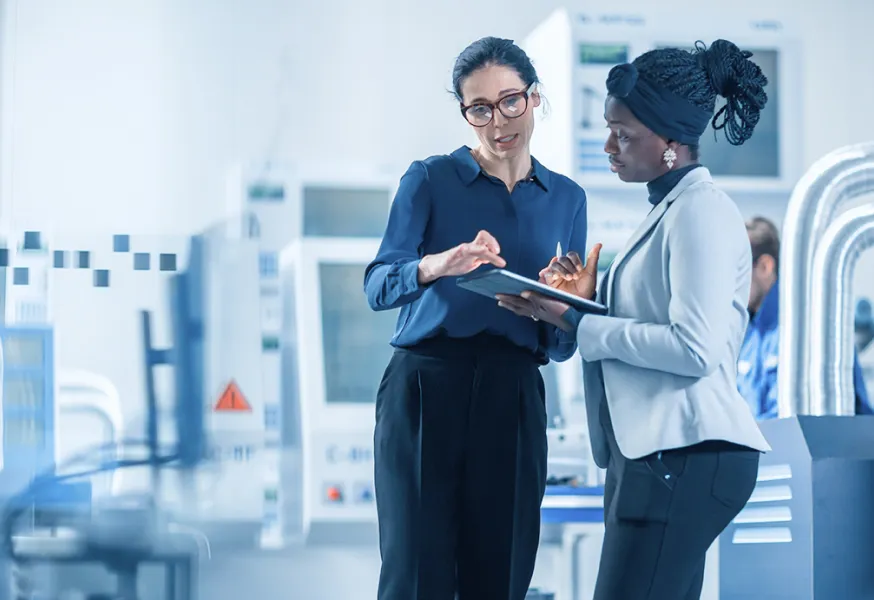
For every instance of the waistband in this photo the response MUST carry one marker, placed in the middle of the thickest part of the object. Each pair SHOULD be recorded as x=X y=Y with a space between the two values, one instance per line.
x=714 y=446
x=480 y=346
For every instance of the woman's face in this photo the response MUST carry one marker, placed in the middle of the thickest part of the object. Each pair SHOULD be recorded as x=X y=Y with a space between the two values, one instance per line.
x=498 y=98
x=636 y=153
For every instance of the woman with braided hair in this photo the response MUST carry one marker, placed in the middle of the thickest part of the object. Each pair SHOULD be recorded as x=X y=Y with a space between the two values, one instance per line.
x=679 y=443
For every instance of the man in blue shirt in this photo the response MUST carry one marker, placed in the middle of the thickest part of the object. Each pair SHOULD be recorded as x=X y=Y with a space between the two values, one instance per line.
x=758 y=360
x=863 y=324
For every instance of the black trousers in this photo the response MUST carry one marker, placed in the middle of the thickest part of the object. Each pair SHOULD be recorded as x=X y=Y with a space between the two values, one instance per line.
x=663 y=511
x=460 y=470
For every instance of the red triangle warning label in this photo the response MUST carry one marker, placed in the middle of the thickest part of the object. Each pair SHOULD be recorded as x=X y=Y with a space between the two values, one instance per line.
x=232 y=400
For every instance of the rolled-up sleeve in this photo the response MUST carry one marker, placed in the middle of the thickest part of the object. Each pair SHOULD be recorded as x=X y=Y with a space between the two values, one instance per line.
x=392 y=279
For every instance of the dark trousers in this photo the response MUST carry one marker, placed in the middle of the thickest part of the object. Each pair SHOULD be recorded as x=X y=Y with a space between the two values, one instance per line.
x=460 y=471
x=662 y=513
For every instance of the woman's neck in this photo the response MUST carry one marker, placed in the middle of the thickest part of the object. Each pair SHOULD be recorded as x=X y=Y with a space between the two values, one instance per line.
x=510 y=170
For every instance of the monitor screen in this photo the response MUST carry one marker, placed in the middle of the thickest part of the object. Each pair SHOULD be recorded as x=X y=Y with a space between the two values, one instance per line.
x=603 y=54
x=345 y=212
x=760 y=155
x=355 y=339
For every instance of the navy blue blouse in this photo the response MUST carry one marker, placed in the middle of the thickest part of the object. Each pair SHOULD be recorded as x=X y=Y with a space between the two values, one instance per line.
x=444 y=201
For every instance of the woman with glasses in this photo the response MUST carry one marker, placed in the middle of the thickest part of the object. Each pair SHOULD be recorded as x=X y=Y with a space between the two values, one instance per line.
x=460 y=438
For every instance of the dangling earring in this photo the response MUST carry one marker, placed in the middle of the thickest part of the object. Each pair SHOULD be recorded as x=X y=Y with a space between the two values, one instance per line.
x=669 y=157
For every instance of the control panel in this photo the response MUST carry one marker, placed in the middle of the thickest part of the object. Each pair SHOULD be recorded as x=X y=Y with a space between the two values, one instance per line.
x=344 y=468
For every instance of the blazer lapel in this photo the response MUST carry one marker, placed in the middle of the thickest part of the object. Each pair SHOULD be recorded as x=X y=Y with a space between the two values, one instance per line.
x=651 y=220
x=648 y=223
x=600 y=293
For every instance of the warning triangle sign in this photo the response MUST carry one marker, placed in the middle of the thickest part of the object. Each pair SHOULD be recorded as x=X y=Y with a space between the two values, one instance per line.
x=232 y=400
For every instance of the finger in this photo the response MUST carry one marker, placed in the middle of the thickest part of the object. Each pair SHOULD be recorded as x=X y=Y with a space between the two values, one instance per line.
x=568 y=263
x=592 y=260
x=515 y=301
x=486 y=239
x=477 y=251
x=544 y=306
x=563 y=268
x=484 y=255
x=545 y=274
x=536 y=306
x=553 y=277
x=522 y=312
x=576 y=261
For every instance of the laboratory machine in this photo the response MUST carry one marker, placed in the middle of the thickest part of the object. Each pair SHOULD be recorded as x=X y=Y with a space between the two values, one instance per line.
x=30 y=402
x=29 y=407
x=334 y=350
x=218 y=350
x=51 y=513
x=222 y=467
x=249 y=424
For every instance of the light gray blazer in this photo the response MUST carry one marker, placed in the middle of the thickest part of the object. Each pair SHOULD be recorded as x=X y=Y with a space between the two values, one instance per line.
x=665 y=358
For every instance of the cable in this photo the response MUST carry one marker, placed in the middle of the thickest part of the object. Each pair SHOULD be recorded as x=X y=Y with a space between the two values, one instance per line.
x=20 y=503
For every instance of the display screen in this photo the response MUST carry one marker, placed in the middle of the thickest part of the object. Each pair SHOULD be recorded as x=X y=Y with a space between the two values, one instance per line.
x=603 y=54
x=355 y=339
x=760 y=155
x=23 y=350
x=345 y=212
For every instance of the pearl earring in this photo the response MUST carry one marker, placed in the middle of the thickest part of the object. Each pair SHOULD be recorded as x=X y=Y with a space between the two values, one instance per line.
x=669 y=157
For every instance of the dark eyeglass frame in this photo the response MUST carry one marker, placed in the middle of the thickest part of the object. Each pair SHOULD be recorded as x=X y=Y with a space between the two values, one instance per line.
x=496 y=106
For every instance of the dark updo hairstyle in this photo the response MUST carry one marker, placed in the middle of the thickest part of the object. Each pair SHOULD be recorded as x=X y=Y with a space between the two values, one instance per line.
x=701 y=75
x=491 y=51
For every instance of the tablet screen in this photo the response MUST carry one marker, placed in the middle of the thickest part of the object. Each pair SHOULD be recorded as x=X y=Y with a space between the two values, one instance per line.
x=500 y=281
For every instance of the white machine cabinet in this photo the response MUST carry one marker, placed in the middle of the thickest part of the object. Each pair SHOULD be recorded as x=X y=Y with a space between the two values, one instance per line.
x=334 y=348
x=574 y=52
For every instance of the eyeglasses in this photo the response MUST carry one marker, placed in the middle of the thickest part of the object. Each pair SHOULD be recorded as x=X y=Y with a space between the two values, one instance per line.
x=512 y=106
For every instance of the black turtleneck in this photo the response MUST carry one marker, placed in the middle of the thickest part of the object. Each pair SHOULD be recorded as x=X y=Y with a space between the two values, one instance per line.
x=661 y=186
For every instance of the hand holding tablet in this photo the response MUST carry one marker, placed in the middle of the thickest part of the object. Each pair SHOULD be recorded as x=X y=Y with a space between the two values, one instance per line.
x=571 y=285
x=500 y=282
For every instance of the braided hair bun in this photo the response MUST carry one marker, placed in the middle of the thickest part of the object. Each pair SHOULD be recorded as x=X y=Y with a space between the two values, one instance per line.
x=741 y=82
x=705 y=73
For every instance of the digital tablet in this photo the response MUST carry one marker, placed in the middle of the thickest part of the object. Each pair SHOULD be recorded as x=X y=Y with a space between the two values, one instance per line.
x=500 y=281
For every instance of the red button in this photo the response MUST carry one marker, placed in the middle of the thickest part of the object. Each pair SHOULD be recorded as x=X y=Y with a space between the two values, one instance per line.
x=334 y=494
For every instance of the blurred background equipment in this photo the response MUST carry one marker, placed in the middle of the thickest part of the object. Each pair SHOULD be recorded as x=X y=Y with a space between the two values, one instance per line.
x=803 y=510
